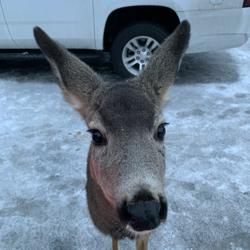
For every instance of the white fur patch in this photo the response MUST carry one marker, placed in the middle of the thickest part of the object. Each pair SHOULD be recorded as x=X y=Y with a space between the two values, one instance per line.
x=92 y=124
x=74 y=101
x=136 y=233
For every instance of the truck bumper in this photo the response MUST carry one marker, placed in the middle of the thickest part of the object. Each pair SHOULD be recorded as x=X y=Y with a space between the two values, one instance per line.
x=220 y=29
x=246 y=21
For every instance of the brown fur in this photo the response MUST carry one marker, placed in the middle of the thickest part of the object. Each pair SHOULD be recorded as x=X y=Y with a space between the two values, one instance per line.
x=128 y=114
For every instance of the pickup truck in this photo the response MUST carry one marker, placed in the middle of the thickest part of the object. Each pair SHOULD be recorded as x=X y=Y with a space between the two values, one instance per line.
x=129 y=30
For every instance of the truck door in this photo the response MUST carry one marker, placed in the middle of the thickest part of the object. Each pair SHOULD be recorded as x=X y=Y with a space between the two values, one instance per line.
x=70 y=22
x=5 y=39
x=221 y=4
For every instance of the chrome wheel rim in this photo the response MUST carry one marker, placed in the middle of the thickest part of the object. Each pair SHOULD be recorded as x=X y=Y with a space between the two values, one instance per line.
x=137 y=52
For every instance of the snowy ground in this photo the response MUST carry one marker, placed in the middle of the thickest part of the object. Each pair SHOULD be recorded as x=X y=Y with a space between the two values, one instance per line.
x=43 y=148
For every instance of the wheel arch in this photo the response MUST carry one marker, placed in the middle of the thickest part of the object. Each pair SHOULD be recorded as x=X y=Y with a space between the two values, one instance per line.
x=125 y=16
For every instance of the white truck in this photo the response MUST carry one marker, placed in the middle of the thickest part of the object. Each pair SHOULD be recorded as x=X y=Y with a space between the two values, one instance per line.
x=130 y=30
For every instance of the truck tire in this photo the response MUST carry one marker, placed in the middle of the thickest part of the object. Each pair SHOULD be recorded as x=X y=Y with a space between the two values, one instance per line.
x=134 y=45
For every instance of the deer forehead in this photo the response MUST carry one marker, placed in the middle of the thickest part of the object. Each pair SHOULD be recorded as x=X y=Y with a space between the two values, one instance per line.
x=126 y=107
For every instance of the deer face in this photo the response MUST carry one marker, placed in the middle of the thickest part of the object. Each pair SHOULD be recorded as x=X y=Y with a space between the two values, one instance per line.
x=126 y=157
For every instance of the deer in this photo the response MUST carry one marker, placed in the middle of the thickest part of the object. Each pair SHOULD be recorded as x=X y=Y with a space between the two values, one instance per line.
x=126 y=158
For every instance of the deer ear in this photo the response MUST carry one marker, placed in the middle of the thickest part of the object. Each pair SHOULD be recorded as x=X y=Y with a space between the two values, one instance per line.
x=161 y=70
x=77 y=80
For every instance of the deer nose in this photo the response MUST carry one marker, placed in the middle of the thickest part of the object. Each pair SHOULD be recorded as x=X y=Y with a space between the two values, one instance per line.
x=143 y=215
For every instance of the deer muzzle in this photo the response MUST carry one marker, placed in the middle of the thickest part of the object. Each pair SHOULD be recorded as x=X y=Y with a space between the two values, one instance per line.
x=144 y=214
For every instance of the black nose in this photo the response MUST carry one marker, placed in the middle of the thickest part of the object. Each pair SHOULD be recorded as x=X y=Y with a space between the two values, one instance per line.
x=144 y=214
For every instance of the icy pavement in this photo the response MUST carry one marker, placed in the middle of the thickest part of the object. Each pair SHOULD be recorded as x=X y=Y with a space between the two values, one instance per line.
x=43 y=148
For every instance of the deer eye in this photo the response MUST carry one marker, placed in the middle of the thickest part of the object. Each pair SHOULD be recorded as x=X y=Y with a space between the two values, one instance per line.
x=161 y=131
x=97 y=137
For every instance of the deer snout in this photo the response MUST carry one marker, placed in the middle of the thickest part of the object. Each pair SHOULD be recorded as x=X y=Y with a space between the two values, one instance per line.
x=144 y=214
